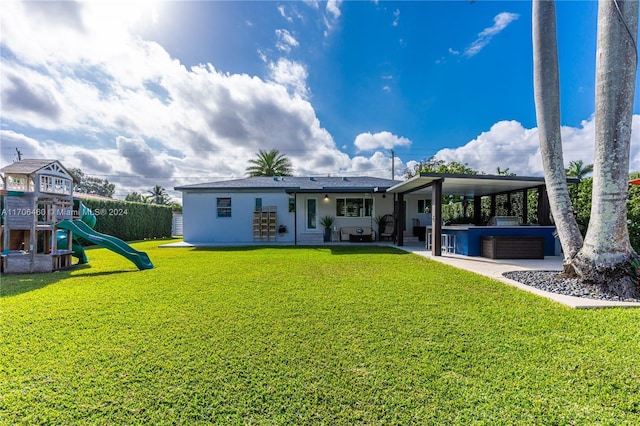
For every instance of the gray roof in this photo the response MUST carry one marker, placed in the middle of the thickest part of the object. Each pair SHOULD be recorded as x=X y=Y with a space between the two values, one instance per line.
x=26 y=167
x=296 y=184
x=31 y=166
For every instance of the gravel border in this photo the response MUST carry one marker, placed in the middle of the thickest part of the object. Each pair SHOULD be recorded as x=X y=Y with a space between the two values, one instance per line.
x=554 y=282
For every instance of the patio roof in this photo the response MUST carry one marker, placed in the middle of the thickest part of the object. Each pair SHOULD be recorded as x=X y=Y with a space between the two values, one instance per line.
x=468 y=185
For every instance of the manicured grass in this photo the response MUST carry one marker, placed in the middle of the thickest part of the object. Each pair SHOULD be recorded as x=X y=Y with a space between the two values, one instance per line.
x=339 y=335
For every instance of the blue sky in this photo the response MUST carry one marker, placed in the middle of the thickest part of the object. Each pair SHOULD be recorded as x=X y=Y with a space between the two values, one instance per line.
x=172 y=93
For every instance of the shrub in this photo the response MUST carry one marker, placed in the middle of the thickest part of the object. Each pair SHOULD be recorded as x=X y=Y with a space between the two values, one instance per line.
x=131 y=221
x=581 y=195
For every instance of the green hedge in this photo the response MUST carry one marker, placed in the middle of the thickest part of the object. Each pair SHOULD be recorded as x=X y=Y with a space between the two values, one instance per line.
x=581 y=200
x=131 y=221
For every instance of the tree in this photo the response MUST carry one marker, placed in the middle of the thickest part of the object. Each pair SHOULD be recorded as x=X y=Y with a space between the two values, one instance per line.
x=136 y=197
x=578 y=169
x=269 y=163
x=504 y=172
x=176 y=207
x=433 y=165
x=92 y=185
x=158 y=195
x=604 y=256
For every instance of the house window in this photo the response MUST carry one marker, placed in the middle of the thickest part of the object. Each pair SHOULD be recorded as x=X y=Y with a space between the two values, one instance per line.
x=17 y=183
x=292 y=204
x=46 y=184
x=62 y=186
x=354 y=207
x=258 y=204
x=224 y=207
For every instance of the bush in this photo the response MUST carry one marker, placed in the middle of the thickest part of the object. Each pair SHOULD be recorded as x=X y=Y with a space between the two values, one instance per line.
x=131 y=221
x=581 y=200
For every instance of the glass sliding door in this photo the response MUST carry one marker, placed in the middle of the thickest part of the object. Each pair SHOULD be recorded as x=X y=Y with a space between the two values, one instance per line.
x=312 y=213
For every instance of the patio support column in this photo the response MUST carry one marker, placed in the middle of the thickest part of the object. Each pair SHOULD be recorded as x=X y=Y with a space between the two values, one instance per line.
x=400 y=220
x=543 y=207
x=477 y=210
x=436 y=221
x=493 y=205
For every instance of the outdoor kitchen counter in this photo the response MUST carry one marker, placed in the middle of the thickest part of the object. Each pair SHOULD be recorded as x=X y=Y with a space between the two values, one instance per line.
x=468 y=236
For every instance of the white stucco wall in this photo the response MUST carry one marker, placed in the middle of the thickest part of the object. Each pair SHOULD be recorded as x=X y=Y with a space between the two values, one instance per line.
x=414 y=213
x=201 y=224
x=381 y=206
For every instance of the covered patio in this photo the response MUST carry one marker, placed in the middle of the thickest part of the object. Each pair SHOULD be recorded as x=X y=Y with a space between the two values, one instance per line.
x=475 y=187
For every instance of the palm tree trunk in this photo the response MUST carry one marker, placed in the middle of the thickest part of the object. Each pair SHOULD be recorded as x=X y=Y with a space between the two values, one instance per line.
x=547 y=100
x=605 y=257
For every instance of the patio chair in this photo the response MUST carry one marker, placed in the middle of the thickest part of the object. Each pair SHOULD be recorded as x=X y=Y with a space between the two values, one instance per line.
x=388 y=231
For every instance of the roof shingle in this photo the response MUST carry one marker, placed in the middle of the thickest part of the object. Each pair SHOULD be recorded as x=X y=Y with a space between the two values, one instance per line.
x=301 y=184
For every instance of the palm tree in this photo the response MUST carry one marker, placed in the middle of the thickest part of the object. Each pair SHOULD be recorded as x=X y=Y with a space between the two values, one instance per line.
x=577 y=169
x=504 y=172
x=546 y=82
x=604 y=256
x=135 y=197
x=158 y=195
x=269 y=163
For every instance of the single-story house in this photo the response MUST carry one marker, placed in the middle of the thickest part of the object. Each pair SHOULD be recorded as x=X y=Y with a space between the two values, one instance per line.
x=289 y=209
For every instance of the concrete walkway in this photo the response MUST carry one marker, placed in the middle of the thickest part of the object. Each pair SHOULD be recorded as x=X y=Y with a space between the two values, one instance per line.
x=493 y=268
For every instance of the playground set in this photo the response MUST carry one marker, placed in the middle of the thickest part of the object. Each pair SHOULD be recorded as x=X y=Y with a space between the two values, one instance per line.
x=41 y=221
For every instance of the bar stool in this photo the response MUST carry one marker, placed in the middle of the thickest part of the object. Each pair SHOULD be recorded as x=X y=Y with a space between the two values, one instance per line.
x=449 y=243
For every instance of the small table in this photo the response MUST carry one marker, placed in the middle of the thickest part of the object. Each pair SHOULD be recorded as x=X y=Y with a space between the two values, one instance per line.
x=360 y=238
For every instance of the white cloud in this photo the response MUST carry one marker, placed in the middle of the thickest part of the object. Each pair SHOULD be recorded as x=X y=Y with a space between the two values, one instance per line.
x=12 y=142
x=143 y=160
x=283 y=13
x=396 y=18
x=98 y=97
x=285 y=41
x=333 y=7
x=500 y=22
x=290 y=74
x=384 y=140
x=332 y=15
x=509 y=144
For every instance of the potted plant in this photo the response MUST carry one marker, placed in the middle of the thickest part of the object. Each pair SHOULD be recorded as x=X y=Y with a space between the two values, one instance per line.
x=327 y=222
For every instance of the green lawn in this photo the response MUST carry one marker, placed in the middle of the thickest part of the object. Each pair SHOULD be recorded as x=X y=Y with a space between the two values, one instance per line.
x=339 y=335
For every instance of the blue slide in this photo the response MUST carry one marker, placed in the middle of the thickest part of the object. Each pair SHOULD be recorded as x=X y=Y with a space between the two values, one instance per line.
x=81 y=229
